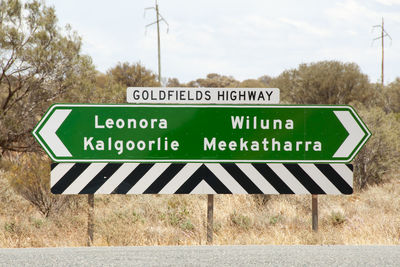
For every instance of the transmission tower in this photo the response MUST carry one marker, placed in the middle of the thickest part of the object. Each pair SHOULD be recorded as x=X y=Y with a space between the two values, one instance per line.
x=159 y=18
x=382 y=37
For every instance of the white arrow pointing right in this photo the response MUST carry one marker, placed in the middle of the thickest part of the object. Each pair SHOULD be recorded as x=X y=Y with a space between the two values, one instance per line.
x=48 y=132
x=355 y=134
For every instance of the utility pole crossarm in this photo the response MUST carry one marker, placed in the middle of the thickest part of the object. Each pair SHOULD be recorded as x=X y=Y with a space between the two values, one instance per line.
x=147 y=8
x=151 y=24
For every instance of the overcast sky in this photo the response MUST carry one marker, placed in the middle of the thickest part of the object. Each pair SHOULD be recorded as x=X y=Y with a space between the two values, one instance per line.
x=244 y=39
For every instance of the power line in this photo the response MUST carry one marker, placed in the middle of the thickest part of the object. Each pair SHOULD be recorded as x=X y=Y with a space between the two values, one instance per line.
x=159 y=18
x=382 y=37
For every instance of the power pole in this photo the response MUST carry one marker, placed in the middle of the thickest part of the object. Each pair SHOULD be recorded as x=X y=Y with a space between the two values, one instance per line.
x=159 y=18
x=382 y=37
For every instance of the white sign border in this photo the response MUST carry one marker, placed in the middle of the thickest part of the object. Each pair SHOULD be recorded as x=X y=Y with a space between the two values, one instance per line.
x=49 y=112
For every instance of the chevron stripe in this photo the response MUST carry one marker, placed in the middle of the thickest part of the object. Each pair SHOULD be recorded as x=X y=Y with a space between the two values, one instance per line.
x=196 y=179
x=257 y=178
x=176 y=182
x=199 y=178
x=117 y=178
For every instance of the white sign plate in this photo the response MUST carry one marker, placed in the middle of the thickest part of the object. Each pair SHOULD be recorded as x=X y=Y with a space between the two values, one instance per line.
x=189 y=95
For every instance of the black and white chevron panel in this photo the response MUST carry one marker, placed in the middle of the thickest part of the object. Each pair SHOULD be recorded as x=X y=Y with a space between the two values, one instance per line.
x=199 y=178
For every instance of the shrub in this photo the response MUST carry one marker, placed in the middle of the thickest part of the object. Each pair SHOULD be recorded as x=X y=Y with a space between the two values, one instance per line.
x=337 y=218
x=179 y=217
x=261 y=200
x=381 y=152
x=187 y=225
x=240 y=221
x=30 y=178
x=275 y=219
x=391 y=96
x=10 y=227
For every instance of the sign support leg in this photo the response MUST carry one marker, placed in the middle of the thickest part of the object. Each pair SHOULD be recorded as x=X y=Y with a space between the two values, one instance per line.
x=210 y=214
x=90 y=227
x=314 y=206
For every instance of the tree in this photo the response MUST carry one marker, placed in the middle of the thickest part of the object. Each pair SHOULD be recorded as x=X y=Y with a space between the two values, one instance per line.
x=133 y=75
x=325 y=82
x=252 y=83
x=266 y=80
x=38 y=64
x=392 y=96
x=174 y=82
x=100 y=89
x=215 y=80
x=111 y=87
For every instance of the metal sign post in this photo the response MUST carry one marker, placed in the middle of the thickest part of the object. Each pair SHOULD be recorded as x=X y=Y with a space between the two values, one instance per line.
x=90 y=227
x=314 y=206
x=210 y=219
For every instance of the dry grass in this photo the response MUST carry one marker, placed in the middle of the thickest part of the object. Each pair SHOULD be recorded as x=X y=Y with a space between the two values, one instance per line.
x=370 y=217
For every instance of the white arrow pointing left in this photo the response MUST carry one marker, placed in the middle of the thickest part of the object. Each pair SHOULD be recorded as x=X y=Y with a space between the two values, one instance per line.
x=48 y=132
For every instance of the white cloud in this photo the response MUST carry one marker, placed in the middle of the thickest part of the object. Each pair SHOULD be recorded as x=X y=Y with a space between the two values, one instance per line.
x=351 y=10
x=307 y=27
x=359 y=12
x=389 y=2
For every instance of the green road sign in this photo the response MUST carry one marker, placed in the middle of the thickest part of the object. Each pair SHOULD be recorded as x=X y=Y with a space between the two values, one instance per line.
x=200 y=133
